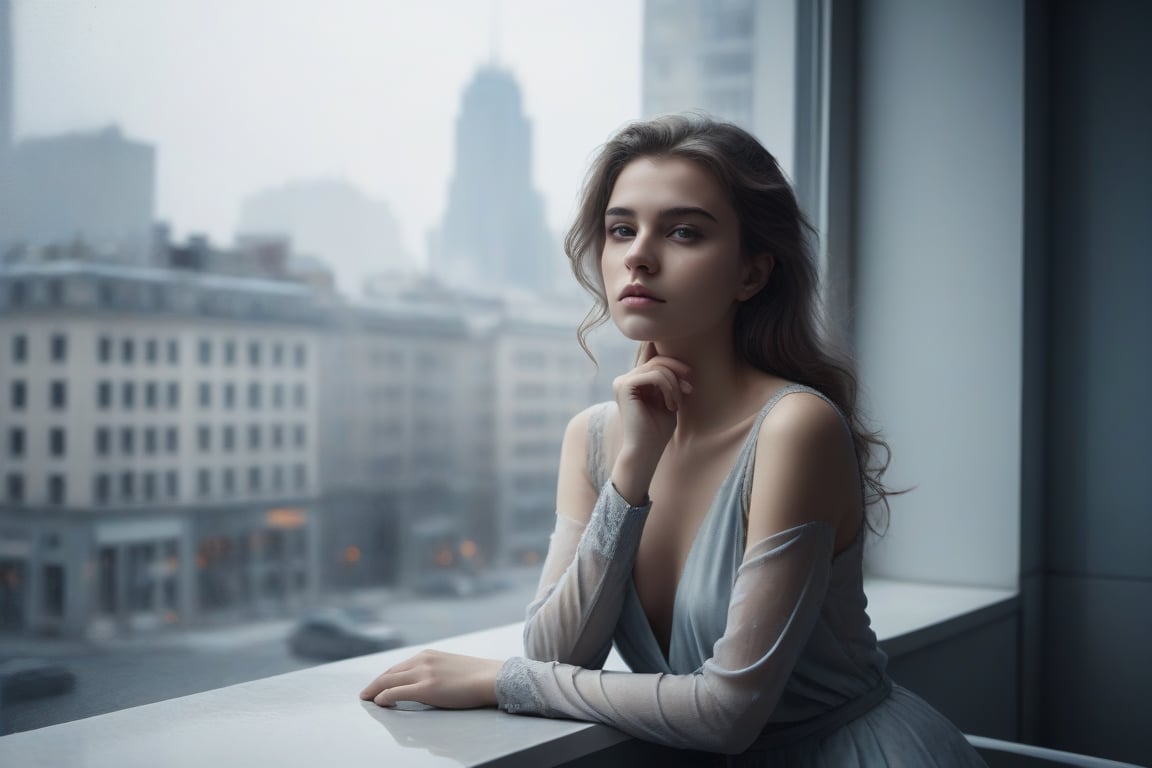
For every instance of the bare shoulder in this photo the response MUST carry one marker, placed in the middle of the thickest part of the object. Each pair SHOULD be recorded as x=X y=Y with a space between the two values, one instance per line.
x=805 y=469
x=803 y=420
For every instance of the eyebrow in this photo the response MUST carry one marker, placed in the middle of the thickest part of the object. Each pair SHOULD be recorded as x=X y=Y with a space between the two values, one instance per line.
x=667 y=213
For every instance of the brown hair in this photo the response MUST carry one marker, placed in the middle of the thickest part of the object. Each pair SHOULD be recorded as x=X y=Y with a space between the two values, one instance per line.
x=778 y=330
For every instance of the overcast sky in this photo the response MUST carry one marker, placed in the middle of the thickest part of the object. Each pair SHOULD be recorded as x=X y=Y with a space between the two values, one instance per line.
x=241 y=95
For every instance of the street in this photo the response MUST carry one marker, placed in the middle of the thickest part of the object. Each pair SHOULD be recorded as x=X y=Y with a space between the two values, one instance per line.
x=131 y=672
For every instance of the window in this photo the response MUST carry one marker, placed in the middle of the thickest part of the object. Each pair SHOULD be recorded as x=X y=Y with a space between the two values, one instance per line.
x=104 y=395
x=229 y=396
x=57 y=442
x=230 y=352
x=59 y=348
x=172 y=440
x=205 y=348
x=15 y=488
x=127 y=395
x=298 y=435
x=254 y=479
x=103 y=441
x=127 y=441
x=173 y=394
x=277 y=395
x=59 y=394
x=229 y=478
x=127 y=486
x=57 y=490
x=204 y=438
x=151 y=395
x=150 y=440
x=20 y=348
x=173 y=483
x=16 y=442
x=173 y=351
x=205 y=390
x=229 y=438
x=102 y=488
x=278 y=436
x=203 y=482
x=151 y=351
x=127 y=351
x=149 y=486
x=254 y=353
x=19 y=395
x=301 y=355
x=301 y=476
x=254 y=395
x=299 y=395
x=52 y=593
x=254 y=436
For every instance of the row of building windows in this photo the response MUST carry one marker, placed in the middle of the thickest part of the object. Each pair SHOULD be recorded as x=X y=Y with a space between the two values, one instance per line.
x=156 y=486
x=149 y=439
x=276 y=352
x=151 y=393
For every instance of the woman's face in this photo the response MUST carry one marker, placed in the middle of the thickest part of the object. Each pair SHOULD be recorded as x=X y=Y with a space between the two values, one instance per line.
x=671 y=263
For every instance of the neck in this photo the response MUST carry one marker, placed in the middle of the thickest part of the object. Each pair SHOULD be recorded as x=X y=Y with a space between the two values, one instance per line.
x=721 y=386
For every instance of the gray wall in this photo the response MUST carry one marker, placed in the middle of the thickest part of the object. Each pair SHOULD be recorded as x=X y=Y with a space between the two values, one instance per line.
x=1093 y=529
x=938 y=287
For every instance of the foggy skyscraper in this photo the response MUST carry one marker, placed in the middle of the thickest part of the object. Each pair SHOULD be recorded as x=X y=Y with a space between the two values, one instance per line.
x=493 y=233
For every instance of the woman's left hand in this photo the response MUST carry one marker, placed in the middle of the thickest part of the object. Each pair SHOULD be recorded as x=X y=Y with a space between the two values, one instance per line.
x=445 y=680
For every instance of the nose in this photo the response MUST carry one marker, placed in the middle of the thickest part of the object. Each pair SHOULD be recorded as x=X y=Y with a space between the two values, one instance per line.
x=641 y=256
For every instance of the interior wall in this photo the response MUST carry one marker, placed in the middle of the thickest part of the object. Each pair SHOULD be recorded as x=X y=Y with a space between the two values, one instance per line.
x=938 y=263
x=1097 y=534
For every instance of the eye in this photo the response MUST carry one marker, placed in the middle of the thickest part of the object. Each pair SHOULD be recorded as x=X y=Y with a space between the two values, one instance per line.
x=684 y=233
x=621 y=230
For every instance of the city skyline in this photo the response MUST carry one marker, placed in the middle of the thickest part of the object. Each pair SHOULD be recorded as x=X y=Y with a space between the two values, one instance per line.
x=293 y=98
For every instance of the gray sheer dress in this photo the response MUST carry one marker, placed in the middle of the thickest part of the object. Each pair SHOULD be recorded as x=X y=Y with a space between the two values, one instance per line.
x=771 y=656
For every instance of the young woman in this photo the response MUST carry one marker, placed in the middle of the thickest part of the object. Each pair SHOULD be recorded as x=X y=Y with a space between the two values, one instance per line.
x=711 y=520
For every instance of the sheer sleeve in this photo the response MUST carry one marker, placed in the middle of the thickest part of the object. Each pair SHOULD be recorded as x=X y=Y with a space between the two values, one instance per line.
x=724 y=705
x=581 y=592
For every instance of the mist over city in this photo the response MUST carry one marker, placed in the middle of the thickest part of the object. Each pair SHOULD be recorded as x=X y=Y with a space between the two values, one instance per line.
x=287 y=333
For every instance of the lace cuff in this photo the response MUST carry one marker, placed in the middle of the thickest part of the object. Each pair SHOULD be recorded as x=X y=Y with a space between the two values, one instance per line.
x=515 y=689
x=615 y=522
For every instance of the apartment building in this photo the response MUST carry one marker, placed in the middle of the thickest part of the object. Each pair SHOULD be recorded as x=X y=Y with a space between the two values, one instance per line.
x=158 y=461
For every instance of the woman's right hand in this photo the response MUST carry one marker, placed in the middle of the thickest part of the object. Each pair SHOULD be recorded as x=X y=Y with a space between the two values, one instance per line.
x=647 y=398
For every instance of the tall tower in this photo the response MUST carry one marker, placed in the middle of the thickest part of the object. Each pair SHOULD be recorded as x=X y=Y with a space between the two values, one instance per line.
x=493 y=234
x=7 y=80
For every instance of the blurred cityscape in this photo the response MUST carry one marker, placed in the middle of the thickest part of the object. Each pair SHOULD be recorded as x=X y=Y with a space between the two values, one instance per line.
x=198 y=435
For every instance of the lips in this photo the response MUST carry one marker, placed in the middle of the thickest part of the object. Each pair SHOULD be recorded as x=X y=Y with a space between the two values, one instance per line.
x=638 y=291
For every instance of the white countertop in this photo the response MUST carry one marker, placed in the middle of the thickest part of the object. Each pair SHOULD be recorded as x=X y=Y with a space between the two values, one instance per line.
x=315 y=717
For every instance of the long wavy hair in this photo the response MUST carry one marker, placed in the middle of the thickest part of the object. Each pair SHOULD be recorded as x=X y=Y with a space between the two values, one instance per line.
x=779 y=330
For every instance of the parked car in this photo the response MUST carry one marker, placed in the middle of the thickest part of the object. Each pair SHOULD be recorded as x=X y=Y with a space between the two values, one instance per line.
x=334 y=634
x=22 y=679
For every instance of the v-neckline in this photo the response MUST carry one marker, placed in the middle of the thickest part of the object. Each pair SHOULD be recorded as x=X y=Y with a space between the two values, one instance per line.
x=753 y=434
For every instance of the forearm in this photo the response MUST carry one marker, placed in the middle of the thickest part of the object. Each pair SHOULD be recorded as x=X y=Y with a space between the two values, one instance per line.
x=573 y=620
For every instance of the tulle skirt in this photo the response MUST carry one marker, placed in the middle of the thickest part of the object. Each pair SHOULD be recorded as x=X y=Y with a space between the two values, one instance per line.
x=902 y=730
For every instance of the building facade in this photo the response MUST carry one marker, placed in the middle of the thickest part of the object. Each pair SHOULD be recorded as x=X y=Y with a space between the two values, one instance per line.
x=159 y=447
x=733 y=59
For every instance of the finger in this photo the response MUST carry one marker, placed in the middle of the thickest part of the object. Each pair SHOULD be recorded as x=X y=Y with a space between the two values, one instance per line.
x=680 y=368
x=411 y=692
x=670 y=386
x=388 y=680
x=647 y=352
x=658 y=379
